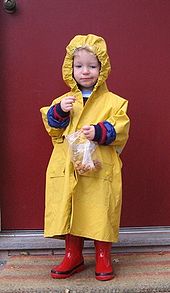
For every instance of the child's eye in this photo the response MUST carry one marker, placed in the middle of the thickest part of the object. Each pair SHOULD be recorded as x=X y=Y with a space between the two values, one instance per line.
x=77 y=66
x=93 y=66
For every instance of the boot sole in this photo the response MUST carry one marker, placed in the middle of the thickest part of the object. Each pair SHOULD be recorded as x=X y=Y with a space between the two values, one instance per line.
x=67 y=274
x=104 y=277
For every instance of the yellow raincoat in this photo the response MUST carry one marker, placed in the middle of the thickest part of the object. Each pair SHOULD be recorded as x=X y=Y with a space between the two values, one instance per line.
x=87 y=205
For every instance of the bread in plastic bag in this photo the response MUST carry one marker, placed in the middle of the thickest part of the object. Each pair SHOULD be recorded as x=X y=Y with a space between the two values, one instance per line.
x=82 y=153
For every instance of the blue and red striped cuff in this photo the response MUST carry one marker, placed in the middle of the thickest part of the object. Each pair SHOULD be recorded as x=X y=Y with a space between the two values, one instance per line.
x=55 y=119
x=59 y=114
x=105 y=133
x=100 y=133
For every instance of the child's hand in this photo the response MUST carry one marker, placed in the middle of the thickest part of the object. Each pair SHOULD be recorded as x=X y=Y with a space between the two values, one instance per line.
x=67 y=103
x=89 y=131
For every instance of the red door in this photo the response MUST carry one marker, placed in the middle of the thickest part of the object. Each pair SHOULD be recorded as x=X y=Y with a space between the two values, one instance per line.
x=32 y=45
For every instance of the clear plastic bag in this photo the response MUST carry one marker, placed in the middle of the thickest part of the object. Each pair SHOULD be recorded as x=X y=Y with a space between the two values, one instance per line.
x=82 y=153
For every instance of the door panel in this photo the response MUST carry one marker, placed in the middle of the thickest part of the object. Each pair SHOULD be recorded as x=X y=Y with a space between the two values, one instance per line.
x=32 y=47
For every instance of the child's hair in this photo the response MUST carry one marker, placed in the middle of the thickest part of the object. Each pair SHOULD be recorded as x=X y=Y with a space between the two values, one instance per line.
x=84 y=47
x=88 y=49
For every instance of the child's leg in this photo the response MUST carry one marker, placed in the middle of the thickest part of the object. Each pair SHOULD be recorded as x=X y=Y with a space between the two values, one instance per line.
x=104 y=269
x=73 y=261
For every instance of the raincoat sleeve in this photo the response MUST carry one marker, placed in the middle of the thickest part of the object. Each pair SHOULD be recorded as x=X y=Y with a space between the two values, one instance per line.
x=54 y=118
x=55 y=133
x=121 y=123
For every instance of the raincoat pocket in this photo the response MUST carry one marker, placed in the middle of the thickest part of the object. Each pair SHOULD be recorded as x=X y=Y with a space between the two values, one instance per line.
x=57 y=163
x=55 y=186
x=58 y=171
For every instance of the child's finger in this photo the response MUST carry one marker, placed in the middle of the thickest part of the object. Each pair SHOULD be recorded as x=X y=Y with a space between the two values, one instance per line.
x=71 y=99
x=86 y=128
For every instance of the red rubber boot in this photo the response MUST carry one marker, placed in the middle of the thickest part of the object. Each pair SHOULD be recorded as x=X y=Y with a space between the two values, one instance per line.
x=104 y=269
x=73 y=261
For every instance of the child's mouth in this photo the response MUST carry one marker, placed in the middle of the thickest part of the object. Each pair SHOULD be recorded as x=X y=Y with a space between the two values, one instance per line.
x=86 y=79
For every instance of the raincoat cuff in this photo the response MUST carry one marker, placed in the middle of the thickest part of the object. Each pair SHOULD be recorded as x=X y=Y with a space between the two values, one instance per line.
x=105 y=133
x=100 y=133
x=111 y=133
x=59 y=114
x=53 y=122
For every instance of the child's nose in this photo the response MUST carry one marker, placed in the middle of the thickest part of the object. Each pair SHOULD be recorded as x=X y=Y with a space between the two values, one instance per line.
x=85 y=70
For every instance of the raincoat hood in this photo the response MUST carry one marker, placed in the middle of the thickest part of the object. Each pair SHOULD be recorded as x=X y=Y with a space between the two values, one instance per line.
x=98 y=47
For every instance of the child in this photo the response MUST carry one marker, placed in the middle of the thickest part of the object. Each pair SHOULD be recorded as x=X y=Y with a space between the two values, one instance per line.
x=87 y=205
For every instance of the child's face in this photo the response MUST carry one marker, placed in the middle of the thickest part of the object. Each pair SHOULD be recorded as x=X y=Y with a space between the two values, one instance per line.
x=86 y=69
